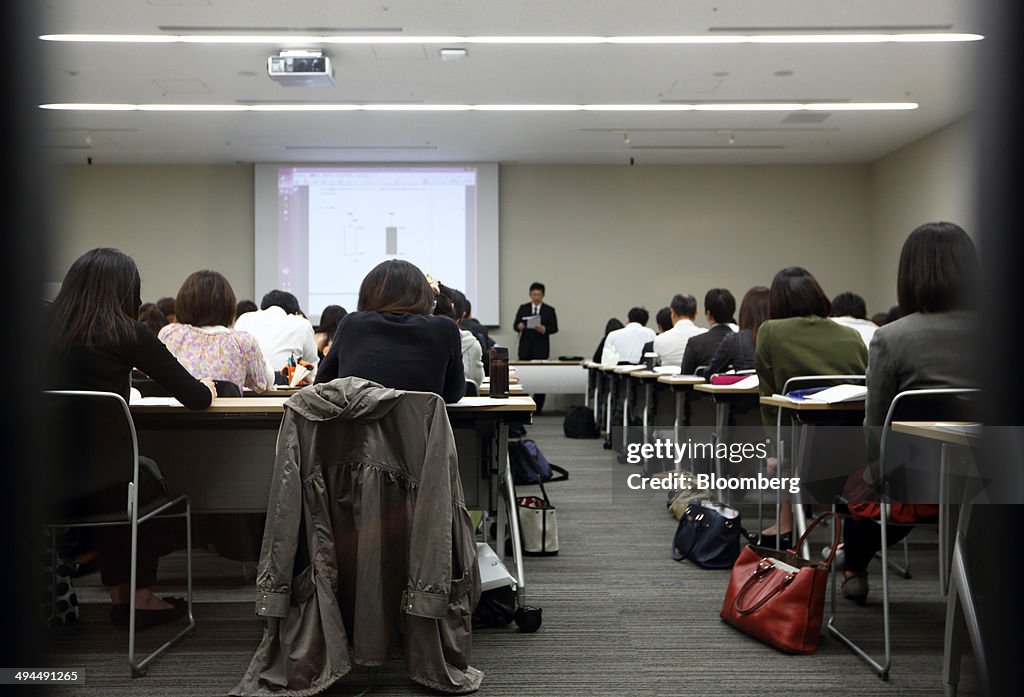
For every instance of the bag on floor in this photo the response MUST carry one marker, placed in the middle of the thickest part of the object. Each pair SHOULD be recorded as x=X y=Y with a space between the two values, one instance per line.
x=496 y=608
x=538 y=527
x=778 y=597
x=529 y=466
x=579 y=422
x=679 y=499
x=708 y=534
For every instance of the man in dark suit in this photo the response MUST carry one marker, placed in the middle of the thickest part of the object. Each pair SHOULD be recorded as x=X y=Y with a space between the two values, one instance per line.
x=719 y=306
x=534 y=342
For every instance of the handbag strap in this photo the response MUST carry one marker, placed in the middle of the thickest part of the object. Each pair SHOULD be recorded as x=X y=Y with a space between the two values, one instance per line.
x=763 y=567
x=836 y=529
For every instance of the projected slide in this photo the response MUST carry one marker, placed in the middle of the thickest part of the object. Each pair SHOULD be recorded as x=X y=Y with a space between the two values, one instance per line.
x=337 y=223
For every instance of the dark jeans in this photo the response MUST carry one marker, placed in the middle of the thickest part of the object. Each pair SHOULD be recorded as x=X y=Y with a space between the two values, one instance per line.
x=114 y=543
x=863 y=538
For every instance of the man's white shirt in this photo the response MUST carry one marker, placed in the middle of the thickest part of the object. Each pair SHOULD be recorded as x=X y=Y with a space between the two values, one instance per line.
x=671 y=345
x=626 y=344
x=280 y=335
x=865 y=327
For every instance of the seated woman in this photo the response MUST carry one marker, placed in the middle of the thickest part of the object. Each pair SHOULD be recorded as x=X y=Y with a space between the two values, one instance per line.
x=799 y=339
x=152 y=317
x=928 y=347
x=394 y=340
x=94 y=341
x=736 y=352
x=452 y=303
x=609 y=327
x=324 y=334
x=204 y=342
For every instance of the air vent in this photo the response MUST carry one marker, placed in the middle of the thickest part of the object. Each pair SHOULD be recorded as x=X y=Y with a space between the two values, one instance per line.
x=806 y=117
x=360 y=147
x=707 y=147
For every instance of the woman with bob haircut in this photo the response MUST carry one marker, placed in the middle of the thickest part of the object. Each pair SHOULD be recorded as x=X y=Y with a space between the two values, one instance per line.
x=94 y=342
x=929 y=346
x=800 y=339
x=394 y=340
x=202 y=338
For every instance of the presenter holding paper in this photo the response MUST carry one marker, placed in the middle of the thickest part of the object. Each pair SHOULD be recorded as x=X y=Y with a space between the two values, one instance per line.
x=535 y=321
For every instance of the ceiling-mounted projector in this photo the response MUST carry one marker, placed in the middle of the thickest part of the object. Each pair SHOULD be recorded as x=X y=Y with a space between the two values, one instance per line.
x=306 y=68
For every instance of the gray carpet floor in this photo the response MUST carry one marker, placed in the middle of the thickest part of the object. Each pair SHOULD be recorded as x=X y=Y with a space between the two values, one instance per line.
x=619 y=617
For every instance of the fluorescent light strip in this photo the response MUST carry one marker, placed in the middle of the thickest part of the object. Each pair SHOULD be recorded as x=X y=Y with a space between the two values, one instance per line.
x=767 y=106
x=297 y=40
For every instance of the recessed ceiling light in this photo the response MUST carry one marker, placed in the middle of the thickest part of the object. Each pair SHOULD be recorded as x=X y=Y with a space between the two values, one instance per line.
x=323 y=106
x=287 y=39
x=453 y=54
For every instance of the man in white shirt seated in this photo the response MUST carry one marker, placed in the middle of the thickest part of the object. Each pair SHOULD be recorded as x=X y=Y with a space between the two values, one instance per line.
x=671 y=345
x=850 y=310
x=281 y=331
x=627 y=344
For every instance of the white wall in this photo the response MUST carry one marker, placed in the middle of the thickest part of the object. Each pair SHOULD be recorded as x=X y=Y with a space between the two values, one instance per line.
x=601 y=238
x=929 y=180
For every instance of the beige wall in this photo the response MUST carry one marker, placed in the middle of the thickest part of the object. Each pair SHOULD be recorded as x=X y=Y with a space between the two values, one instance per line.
x=601 y=238
x=172 y=220
x=929 y=180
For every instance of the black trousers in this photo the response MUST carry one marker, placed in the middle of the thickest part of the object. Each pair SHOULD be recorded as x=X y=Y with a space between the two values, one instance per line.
x=114 y=543
x=863 y=538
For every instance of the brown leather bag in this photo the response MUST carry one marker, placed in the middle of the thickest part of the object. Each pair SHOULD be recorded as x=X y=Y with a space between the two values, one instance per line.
x=778 y=597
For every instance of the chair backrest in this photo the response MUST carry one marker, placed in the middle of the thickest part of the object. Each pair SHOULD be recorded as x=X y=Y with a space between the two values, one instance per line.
x=226 y=388
x=471 y=389
x=937 y=404
x=96 y=445
x=803 y=382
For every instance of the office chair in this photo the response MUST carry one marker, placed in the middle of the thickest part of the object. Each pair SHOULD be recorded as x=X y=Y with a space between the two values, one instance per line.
x=951 y=404
x=471 y=389
x=226 y=388
x=106 y=454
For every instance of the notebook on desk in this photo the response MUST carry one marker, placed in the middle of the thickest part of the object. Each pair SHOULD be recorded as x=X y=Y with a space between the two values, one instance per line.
x=828 y=395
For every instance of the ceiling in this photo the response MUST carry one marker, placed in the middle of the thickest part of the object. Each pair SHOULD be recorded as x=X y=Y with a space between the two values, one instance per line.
x=937 y=76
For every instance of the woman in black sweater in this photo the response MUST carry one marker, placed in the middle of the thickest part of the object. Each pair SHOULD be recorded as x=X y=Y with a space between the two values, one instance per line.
x=94 y=342
x=393 y=340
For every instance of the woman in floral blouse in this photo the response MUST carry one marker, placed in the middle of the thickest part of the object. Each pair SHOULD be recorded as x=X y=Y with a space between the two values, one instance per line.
x=202 y=338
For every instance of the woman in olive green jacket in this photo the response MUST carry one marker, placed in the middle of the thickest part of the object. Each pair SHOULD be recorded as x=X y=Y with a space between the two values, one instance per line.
x=800 y=339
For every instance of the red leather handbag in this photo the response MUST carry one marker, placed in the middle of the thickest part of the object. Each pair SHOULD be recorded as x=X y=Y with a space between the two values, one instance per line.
x=778 y=597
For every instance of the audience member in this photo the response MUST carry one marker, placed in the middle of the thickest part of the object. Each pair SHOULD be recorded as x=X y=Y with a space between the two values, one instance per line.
x=330 y=316
x=203 y=341
x=609 y=327
x=893 y=314
x=736 y=352
x=282 y=332
x=719 y=306
x=879 y=318
x=480 y=332
x=849 y=310
x=94 y=341
x=152 y=317
x=245 y=306
x=800 y=339
x=626 y=345
x=166 y=306
x=926 y=348
x=671 y=345
x=472 y=355
x=392 y=338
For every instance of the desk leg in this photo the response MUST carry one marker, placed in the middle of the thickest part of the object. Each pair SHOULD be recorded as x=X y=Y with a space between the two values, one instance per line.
x=648 y=391
x=625 y=410
x=499 y=467
x=676 y=424
x=517 y=549
x=608 y=412
x=721 y=423
x=797 y=502
x=961 y=615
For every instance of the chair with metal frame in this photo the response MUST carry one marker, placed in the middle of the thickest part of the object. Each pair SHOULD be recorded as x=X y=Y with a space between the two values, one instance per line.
x=799 y=382
x=911 y=405
x=99 y=426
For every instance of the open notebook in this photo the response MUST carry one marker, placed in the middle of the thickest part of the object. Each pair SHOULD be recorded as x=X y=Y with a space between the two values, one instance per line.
x=828 y=395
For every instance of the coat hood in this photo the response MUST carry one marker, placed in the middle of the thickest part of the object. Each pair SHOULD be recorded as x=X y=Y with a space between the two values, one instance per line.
x=350 y=398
